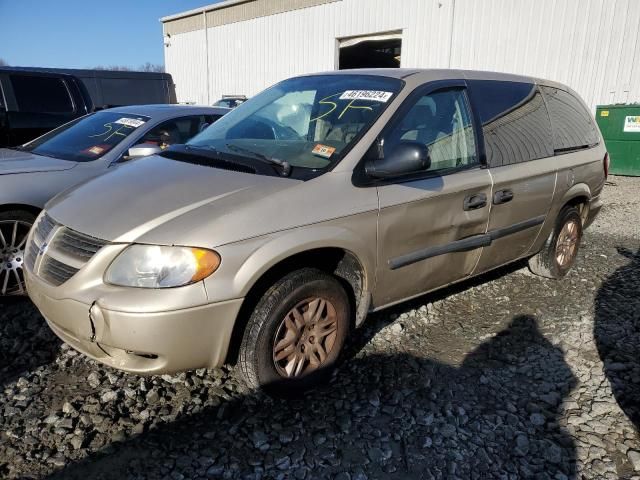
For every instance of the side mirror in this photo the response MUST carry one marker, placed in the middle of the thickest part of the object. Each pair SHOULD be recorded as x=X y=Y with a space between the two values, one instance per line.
x=203 y=127
x=407 y=157
x=143 y=150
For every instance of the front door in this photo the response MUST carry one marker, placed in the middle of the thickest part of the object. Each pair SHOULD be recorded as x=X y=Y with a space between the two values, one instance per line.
x=431 y=228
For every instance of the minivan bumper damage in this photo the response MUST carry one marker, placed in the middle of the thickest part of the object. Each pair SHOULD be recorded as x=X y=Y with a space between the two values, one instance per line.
x=143 y=343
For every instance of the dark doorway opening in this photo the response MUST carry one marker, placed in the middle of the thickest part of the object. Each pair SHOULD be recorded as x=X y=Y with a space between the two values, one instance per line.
x=370 y=53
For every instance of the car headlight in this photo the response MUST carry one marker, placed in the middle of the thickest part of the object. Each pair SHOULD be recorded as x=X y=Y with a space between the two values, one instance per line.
x=153 y=266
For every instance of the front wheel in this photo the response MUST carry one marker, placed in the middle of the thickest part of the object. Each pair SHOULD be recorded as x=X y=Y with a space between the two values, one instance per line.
x=296 y=333
x=14 y=229
x=561 y=248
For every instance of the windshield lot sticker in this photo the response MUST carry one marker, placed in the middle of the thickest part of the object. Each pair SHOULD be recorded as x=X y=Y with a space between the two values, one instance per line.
x=130 y=122
x=371 y=95
x=632 y=123
x=323 y=150
x=96 y=150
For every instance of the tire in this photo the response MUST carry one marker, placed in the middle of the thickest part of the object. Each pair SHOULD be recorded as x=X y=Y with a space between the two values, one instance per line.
x=294 y=296
x=549 y=262
x=12 y=250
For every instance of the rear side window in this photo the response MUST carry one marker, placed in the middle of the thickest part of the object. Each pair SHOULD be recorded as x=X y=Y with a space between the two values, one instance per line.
x=573 y=127
x=41 y=94
x=514 y=121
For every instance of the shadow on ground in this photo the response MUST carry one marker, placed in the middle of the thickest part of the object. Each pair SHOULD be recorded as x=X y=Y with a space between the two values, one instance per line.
x=386 y=416
x=617 y=333
x=26 y=342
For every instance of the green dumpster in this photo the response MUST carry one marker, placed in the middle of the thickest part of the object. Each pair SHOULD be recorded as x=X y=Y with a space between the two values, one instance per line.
x=620 y=127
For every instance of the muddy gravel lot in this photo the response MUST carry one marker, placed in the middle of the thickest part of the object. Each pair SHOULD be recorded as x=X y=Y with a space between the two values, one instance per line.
x=506 y=376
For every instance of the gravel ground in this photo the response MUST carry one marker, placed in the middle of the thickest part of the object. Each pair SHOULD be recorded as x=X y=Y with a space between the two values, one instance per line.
x=622 y=199
x=506 y=376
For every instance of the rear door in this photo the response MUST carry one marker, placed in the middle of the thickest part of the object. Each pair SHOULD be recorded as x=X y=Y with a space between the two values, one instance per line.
x=431 y=226
x=38 y=103
x=519 y=148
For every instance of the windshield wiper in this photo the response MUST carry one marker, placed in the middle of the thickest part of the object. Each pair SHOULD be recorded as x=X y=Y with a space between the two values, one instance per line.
x=283 y=164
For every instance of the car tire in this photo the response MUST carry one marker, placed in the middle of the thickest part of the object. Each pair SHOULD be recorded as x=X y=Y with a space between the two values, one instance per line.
x=14 y=228
x=561 y=248
x=295 y=334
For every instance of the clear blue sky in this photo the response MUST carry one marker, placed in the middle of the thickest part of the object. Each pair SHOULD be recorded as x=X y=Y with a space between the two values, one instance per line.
x=85 y=33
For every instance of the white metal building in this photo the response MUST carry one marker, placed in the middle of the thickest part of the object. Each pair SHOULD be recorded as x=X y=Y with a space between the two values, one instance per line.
x=243 y=46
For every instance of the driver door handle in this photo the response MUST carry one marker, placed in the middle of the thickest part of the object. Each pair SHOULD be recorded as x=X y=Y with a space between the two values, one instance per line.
x=475 y=201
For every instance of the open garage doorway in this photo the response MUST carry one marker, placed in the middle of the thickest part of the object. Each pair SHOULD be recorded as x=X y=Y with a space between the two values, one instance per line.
x=370 y=51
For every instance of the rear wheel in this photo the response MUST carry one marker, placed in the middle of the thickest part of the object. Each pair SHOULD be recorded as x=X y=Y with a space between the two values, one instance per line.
x=561 y=248
x=14 y=228
x=296 y=333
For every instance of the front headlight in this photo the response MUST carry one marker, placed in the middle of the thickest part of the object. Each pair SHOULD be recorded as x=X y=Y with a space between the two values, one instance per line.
x=153 y=266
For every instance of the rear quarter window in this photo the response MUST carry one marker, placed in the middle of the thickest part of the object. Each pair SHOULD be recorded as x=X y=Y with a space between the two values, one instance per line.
x=514 y=119
x=41 y=94
x=573 y=126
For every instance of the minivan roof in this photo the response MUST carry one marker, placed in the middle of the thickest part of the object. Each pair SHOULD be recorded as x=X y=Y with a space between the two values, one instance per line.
x=439 y=74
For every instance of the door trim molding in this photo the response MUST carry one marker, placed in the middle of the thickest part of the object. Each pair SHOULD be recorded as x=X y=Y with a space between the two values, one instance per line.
x=464 y=244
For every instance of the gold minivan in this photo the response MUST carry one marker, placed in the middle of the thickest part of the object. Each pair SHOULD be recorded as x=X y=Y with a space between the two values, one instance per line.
x=270 y=236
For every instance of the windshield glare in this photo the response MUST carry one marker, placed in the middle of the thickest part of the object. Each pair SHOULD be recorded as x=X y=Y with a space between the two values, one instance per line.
x=87 y=138
x=309 y=122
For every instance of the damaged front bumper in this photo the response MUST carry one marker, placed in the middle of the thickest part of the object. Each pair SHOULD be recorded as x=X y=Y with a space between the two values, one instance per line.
x=165 y=340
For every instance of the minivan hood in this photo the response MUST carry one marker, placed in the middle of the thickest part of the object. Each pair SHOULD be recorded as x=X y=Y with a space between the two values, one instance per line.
x=144 y=196
x=16 y=161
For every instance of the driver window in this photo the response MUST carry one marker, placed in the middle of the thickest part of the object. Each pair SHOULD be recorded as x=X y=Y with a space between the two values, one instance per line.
x=442 y=121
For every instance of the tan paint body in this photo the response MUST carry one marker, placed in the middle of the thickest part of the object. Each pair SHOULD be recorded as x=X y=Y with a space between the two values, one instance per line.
x=254 y=222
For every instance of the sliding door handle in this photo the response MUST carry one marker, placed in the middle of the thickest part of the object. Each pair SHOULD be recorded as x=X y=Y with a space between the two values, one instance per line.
x=502 y=196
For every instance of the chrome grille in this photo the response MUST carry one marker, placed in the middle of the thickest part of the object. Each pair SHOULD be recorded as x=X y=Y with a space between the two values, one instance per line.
x=41 y=232
x=56 y=253
x=56 y=272
x=77 y=244
x=30 y=255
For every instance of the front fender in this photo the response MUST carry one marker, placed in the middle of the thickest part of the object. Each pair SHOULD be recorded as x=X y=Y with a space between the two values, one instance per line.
x=18 y=189
x=244 y=263
x=292 y=243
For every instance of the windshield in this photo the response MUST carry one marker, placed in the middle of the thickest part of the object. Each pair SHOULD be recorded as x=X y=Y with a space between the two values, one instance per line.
x=308 y=122
x=87 y=138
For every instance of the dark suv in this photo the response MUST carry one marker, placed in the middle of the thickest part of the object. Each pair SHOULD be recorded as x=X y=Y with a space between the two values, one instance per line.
x=33 y=103
x=36 y=100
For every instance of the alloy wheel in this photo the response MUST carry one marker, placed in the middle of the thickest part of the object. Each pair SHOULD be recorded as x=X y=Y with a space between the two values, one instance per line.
x=13 y=239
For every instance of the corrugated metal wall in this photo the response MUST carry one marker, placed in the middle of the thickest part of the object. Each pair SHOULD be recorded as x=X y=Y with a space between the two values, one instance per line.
x=185 y=59
x=591 y=45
